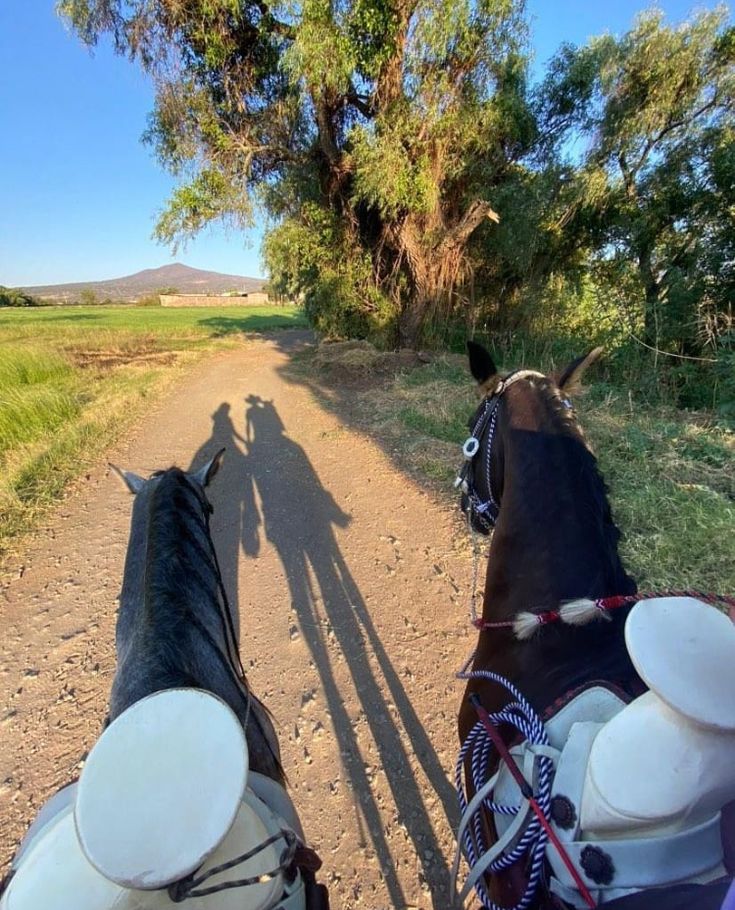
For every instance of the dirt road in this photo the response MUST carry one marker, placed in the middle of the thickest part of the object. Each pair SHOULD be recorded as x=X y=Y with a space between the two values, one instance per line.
x=352 y=605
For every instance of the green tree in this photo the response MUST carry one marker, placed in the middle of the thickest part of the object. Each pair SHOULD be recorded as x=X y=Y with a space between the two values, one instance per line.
x=17 y=297
x=387 y=123
x=656 y=107
x=88 y=297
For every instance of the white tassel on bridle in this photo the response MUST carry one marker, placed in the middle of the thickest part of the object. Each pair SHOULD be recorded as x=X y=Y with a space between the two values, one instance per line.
x=578 y=612
x=583 y=611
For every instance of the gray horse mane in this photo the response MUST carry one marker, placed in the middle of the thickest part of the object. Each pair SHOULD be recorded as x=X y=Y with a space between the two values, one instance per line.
x=172 y=628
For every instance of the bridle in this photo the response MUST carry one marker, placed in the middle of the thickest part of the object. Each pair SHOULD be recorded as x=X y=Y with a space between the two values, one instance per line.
x=485 y=511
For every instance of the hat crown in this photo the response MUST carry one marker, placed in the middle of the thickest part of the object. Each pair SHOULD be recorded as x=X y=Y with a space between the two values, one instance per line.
x=665 y=759
x=161 y=787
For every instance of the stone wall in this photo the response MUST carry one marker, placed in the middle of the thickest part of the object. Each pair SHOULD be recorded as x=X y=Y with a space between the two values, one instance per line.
x=257 y=298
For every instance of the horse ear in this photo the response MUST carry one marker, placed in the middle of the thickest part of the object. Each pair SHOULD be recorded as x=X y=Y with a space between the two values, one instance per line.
x=482 y=365
x=569 y=380
x=205 y=475
x=133 y=482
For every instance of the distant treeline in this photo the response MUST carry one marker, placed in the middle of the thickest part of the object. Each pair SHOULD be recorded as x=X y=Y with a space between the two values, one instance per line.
x=16 y=297
x=86 y=297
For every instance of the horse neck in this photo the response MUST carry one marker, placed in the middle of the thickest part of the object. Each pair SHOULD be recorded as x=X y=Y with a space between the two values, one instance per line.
x=555 y=539
x=172 y=625
x=170 y=612
x=180 y=564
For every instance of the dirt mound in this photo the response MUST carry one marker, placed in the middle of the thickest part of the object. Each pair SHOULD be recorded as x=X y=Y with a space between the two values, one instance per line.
x=107 y=360
x=358 y=360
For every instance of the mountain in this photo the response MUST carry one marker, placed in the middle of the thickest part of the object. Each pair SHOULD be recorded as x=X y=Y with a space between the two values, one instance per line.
x=185 y=279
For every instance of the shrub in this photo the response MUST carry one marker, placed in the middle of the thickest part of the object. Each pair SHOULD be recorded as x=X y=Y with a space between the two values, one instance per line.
x=337 y=310
x=16 y=297
x=87 y=297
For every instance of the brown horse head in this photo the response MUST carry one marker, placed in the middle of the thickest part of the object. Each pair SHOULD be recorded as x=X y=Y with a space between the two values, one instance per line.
x=554 y=536
x=533 y=479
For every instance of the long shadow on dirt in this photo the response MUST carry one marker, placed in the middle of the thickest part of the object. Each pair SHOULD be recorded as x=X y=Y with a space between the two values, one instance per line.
x=298 y=518
x=235 y=518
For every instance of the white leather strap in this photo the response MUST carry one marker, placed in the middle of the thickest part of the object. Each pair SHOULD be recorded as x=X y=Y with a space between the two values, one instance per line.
x=515 y=829
x=652 y=861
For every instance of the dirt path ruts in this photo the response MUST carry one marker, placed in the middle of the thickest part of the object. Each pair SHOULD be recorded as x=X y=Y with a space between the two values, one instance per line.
x=352 y=615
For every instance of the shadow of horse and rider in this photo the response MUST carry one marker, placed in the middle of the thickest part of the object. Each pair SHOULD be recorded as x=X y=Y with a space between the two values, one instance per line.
x=297 y=516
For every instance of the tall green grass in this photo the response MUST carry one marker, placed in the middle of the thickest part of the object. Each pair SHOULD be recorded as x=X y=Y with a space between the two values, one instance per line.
x=671 y=472
x=562 y=318
x=672 y=487
x=30 y=366
x=39 y=392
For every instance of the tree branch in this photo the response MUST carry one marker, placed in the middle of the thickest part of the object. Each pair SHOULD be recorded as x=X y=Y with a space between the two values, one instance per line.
x=280 y=28
x=670 y=127
x=627 y=176
x=470 y=221
x=361 y=103
x=676 y=259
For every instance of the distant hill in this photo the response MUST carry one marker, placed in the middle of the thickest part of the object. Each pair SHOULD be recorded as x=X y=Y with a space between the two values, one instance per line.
x=185 y=279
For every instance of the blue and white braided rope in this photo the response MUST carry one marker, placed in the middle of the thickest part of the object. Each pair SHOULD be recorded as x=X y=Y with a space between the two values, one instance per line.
x=488 y=463
x=485 y=510
x=479 y=748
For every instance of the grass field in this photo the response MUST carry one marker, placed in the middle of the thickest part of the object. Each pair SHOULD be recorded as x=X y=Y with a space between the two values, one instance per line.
x=72 y=379
x=671 y=473
x=180 y=326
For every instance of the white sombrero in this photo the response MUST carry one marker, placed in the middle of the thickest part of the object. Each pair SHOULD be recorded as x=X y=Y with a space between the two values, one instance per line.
x=668 y=755
x=162 y=794
x=684 y=650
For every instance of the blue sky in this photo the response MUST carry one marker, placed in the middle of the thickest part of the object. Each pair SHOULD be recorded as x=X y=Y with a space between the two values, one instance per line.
x=79 y=193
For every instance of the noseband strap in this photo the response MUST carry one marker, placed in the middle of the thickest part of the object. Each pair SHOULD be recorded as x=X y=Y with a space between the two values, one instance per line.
x=485 y=511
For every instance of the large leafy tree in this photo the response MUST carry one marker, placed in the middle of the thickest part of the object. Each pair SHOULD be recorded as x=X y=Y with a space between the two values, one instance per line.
x=372 y=131
x=656 y=107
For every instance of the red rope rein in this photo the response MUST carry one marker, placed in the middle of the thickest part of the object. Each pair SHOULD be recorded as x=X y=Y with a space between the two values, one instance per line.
x=605 y=604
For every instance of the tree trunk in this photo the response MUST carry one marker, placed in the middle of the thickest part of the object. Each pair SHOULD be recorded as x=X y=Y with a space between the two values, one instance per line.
x=411 y=321
x=435 y=270
x=650 y=317
x=651 y=301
